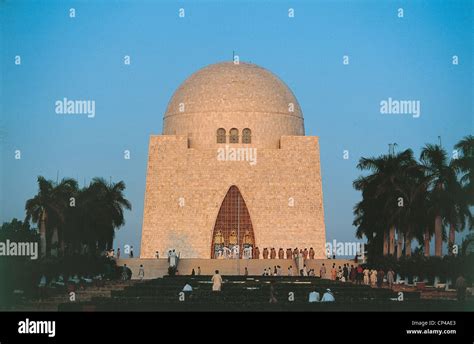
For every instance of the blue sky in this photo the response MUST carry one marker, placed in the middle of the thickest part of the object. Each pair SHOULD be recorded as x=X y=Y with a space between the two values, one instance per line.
x=82 y=58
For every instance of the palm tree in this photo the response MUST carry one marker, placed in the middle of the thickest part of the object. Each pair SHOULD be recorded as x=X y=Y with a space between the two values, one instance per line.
x=381 y=192
x=38 y=207
x=370 y=225
x=47 y=209
x=65 y=193
x=435 y=162
x=105 y=203
x=458 y=213
x=412 y=218
x=465 y=166
x=426 y=229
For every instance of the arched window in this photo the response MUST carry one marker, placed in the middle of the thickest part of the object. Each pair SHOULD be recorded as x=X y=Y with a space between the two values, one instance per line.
x=221 y=135
x=233 y=214
x=234 y=135
x=246 y=136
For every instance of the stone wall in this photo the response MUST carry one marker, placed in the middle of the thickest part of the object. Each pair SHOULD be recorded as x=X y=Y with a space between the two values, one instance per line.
x=281 y=176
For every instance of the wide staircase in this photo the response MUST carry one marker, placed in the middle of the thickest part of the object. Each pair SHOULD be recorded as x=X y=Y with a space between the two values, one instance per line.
x=252 y=293
x=155 y=268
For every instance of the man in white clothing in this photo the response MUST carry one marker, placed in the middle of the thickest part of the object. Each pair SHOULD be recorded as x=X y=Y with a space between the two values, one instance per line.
x=328 y=296
x=313 y=296
x=216 y=281
x=141 y=272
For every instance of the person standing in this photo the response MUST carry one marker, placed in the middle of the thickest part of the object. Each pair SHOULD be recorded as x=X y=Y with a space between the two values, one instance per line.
x=353 y=274
x=300 y=260
x=373 y=277
x=42 y=287
x=246 y=272
x=273 y=293
x=141 y=272
x=380 y=276
x=124 y=272
x=199 y=271
x=333 y=272
x=390 y=278
x=289 y=254
x=118 y=253
x=359 y=274
x=311 y=254
x=461 y=287
x=173 y=259
x=345 y=273
x=216 y=281
x=131 y=251
x=322 y=271
x=366 y=276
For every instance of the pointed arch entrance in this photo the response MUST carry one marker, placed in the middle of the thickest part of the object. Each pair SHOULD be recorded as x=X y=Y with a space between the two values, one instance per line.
x=233 y=227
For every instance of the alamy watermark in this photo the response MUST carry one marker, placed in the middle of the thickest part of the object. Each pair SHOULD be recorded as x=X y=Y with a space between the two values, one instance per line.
x=75 y=107
x=237 y=154
x=28 y=326
x=18 y=249
x=345 y=249
x=401 y=107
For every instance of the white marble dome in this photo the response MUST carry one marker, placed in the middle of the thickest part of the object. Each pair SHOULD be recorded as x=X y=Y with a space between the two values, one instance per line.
x=228 y=95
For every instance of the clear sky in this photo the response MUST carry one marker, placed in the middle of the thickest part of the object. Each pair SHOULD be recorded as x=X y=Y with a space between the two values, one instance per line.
x=407 y=58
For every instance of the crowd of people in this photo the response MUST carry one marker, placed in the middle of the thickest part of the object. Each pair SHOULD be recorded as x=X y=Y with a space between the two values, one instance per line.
x=346 y=273
x=358 y=274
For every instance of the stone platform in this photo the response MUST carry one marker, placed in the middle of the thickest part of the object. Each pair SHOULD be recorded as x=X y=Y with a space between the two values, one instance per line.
x=155 y=268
